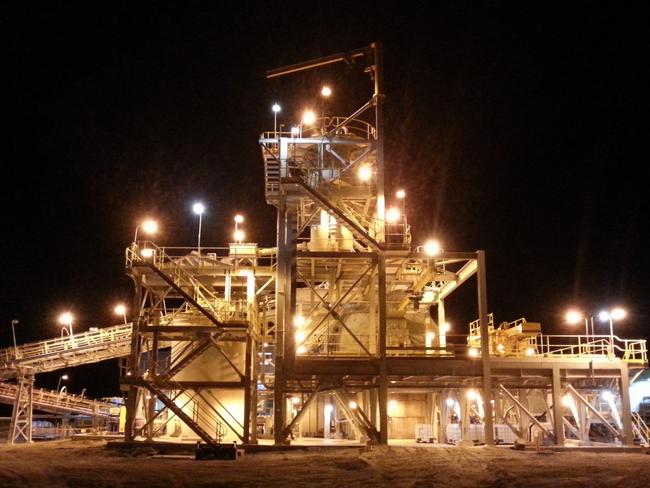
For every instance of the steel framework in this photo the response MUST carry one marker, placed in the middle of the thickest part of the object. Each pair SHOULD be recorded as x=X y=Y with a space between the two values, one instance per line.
x=341 y=311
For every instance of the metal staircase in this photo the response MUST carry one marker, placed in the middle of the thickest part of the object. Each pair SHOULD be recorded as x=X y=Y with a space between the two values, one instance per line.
x=201 y=414
x=271 y=179
x=176 y=274
x=640 y=429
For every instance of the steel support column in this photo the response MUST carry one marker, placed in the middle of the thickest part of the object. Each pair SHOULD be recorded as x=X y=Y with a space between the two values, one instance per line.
x=279 y=408
x=134 y=360
x=485 y=347
x=626 y=408
x=558 y=418
x=20 y=429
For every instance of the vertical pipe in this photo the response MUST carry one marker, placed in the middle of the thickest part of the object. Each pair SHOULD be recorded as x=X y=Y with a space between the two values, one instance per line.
x=253 y=400
x=248 y=406
x=151 y=405
x=381 y=217
x=379 y=135
x=227 y=286
x=279 y=407
x=383 y=370
x=289 y=289
x=558 y=423
x=485 y=346
x=372 y=314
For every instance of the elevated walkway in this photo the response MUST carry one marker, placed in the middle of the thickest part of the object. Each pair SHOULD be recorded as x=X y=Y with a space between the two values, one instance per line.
x=59 y=402
x=53 y=354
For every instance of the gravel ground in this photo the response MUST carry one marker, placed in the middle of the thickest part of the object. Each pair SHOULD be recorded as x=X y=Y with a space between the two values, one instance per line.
x=90 y=464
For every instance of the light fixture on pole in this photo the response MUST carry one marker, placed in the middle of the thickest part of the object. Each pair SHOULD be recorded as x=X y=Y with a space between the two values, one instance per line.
x=393 y=215
x=198 y=208
x=13 y=332
x=63 y=377
x=120 y=309
x=612 y=316
x=364 y=173
x=432 y=248
x=401 y=195
x=66 y=319
x=574 y=316
x=276 y=108
x=238 y=220
x=308 y=119
x=325 y=92
x=149 y=227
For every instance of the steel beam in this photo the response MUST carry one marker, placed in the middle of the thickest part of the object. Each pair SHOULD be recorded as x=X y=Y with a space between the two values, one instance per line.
x=591 y=408
x=525 y=411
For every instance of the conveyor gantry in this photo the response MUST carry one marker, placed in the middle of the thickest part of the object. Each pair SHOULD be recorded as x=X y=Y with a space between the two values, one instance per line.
x=53 y=354
x=60 y=402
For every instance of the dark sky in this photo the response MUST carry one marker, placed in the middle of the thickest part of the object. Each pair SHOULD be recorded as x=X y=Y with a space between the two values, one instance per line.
x=515 y=128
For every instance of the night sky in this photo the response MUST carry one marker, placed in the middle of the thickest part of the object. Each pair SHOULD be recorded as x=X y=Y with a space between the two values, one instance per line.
x=514 y=128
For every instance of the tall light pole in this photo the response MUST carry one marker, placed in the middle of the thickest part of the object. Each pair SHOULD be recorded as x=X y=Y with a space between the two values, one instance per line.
x=276 y=108
x=13 y=331
x=198 y=209
x=62 y=377
x=66 y=319
x=120 y=309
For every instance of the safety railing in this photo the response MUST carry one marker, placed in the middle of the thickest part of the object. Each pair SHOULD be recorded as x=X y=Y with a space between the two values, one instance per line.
x=454 y=345
x=324 y=343
x=640 y=428
x=205 y=416
x=60 y=402
x=182 y=268
x=577 y=346
x=544 y=346
x=234 y=256
x=341 y=126
x=70 y=344
x=475 y=326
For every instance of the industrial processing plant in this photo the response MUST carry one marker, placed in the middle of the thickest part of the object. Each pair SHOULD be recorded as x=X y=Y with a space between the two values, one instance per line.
x=342 y=333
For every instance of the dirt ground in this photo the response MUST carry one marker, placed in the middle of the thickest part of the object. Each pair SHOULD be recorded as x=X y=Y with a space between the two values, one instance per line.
x=90 y=464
